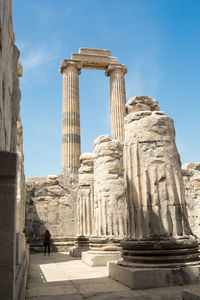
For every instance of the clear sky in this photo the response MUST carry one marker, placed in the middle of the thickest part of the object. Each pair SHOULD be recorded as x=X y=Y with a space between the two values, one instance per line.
x=158 y=41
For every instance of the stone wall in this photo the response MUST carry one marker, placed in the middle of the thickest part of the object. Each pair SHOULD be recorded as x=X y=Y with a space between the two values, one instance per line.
x=12 y=194
x=50 y=205
x=191 y=177
x=9 y=82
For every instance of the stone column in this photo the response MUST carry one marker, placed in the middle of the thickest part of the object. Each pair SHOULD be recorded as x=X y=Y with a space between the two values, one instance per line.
x=70 y=118
x=109 y=202
x=85 y=198
x=117 y=99
x=159 y=242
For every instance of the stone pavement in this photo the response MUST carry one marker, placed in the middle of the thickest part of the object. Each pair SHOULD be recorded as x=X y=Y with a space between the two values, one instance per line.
x=60 y=276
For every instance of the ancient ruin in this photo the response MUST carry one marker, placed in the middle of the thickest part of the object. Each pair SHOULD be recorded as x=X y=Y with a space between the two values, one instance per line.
x=159 y=240
x=14 y=256
x=128 y=203
x=70 y=68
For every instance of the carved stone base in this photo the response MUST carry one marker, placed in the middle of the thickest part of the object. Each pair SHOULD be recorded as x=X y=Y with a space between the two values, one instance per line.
x=100 y=258
x=105 y=243
x=141 y=278
x=81 y=245
x=160 y=253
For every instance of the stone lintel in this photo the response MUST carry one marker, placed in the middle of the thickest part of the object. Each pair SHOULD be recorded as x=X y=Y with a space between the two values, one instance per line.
x=94 y=61
x=113 y=67
x=95 y=51
x=141 y=278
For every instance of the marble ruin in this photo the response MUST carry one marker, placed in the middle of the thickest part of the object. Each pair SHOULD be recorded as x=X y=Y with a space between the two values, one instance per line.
x=130 y=195
x=128 y=203
x=70 y=68
x=159 y=242
x=14 y=255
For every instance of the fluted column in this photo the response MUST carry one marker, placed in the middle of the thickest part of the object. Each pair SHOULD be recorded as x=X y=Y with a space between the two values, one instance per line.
x=85 y=196
x=109 y=191
x=160 y=246
x=117 y=99
x=84 y=209
x=70 y=119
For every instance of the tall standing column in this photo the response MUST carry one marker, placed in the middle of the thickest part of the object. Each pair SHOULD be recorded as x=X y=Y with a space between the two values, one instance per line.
x=70 y=118
x=117 y=99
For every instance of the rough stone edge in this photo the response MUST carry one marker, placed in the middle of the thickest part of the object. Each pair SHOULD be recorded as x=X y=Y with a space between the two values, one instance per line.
x=137 y=278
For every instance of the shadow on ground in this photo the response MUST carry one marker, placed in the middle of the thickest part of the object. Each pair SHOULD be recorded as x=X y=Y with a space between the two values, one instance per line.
x=60 y=276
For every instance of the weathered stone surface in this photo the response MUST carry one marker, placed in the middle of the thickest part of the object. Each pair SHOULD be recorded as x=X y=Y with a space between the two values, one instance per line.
x=100 y=258
x=95 y=51
x=50 y=205
x=71 y=121
x=9 y=93
x=84 y=205
x=191 y=178
x=14 y=255
x=141 y=278
x=109 y=190
x=85 y=213
x=117 y=99
x=141 y=103
x=159 y=234
x=8 y=173
x=109 y=206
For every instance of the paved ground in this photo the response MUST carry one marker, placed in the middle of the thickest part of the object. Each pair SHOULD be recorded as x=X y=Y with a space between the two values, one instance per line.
x=60 y=276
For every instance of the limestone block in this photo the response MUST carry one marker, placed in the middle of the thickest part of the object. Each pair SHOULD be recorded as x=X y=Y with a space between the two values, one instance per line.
x=8 y=164
x=95 y=51
x=94 y=61
x=100 y=258
x=141 y=278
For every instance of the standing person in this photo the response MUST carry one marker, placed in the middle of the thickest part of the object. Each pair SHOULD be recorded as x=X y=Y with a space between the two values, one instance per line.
x=47 y=241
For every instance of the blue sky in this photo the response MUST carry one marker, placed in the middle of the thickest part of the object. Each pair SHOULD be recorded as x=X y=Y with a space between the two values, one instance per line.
x=158 y=41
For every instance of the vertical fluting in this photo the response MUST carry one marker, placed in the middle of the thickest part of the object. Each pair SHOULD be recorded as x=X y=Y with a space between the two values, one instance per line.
x=85 y=195
x=157 y=217
x=109 y=190
x=117 y=99
x=70 y=120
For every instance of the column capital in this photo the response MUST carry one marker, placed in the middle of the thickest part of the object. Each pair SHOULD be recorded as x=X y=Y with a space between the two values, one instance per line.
x=114 y=67
x=69 y=62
